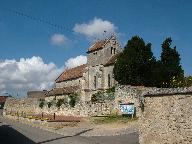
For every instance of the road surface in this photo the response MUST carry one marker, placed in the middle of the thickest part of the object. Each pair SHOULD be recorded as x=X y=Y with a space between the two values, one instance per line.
x=12 y=132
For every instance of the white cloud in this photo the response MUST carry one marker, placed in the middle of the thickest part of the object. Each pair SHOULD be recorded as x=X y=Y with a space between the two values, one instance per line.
x=27 y=74
x=32 y=74
x=95 y=28
x=59 y=39
x=73 y=62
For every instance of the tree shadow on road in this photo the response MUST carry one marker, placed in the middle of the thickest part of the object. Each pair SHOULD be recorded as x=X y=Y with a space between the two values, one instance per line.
x=84 y=131
x=8 y=135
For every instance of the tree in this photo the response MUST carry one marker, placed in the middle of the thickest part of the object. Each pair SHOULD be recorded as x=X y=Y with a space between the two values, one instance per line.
x=73 y=99
x=49 y=104
x=134 y=65
x=41 y=104
x=60 y=102
x=171 y=68
x=188 y=81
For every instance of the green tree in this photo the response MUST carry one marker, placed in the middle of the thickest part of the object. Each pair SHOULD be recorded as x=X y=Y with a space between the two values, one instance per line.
x=73 y=99
x=188 y=81
x=49 y=104
x=171 y=68
x=134 y=65
x=60 y=102
x=41 y=104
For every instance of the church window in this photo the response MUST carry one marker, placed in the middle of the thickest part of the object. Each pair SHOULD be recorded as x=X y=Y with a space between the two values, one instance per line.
x=114 y=50
x=109 y=80
x=111 y=50
x=95 y=82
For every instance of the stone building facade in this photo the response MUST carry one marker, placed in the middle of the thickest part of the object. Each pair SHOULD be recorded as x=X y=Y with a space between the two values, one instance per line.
x=96 y=75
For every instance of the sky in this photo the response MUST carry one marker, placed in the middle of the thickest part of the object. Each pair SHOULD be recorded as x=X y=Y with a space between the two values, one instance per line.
x=39 y=39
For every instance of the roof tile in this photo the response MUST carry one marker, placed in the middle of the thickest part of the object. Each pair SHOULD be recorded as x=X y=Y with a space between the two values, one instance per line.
x=72 y=73
x=63 y=91
x=111 y=60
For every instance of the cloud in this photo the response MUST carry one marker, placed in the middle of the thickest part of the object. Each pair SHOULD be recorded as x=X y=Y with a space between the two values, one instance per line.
x=59 y=39
x=95 y=28
x=32 y=74
x=73 y=62
x=27 y=74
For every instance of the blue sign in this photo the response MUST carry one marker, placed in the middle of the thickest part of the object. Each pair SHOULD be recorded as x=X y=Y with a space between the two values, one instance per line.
x=127 y=109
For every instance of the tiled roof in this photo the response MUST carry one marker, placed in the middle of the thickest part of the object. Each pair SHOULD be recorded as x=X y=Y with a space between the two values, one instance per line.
x=111 y=60
x=72 y=73
x=64 y=90
x=97 y=45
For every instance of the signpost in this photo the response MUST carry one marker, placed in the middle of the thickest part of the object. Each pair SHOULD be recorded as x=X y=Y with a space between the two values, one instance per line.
x=127 y=109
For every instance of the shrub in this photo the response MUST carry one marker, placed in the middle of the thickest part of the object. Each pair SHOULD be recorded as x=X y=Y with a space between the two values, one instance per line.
x=111 y=90
x=188 y=81
x=60 y=102
x=73 y=99
x=41 y=104
x=110 y=94
x=98 y=97
x=49 y=104
x=102 y=96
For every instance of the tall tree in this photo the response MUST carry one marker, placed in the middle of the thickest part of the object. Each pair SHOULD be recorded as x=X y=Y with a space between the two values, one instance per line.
x=170 y=60
x=134 y=65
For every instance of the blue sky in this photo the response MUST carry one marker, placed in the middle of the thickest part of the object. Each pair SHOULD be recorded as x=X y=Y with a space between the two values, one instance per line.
x=153 y=20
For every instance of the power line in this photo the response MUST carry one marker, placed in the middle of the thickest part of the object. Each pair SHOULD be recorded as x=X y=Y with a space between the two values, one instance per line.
x=45 y=21
x=37 y=19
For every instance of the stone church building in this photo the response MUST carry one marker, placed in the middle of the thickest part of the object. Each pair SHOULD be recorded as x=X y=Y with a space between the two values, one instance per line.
x=96 y=75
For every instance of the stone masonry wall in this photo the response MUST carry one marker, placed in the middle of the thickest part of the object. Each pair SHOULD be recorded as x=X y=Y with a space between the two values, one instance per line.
x=166 y=117
x=30 y=106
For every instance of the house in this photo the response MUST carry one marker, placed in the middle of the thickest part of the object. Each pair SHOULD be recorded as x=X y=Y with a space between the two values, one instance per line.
x=2 y=101
x=37 y=94
x=96 y=75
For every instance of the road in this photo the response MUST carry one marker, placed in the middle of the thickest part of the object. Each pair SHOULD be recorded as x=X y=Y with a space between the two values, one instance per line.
x=12 y=132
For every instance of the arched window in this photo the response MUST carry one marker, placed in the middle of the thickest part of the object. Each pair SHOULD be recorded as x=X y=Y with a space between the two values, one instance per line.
x=114 y=50
x=95 y=82
x=111 y=50
x=109 y=80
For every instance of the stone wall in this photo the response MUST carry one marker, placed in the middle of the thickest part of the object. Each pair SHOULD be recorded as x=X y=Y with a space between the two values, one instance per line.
x=166 y=117
x=30 y=106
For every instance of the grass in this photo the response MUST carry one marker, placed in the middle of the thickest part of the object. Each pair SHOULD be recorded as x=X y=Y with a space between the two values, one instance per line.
x=112 y=119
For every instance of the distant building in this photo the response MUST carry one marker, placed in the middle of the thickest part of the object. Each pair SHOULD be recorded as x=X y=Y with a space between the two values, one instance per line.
x=37 y=94
x=96 y=75
x=2 y=101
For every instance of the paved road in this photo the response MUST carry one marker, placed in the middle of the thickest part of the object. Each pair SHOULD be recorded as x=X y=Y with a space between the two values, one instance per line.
x=16 y=133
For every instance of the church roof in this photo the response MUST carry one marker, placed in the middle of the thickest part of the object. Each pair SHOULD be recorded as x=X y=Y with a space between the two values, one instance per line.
x=63 y=91
x=111 y=60
x=97 y=45
x=72 y=73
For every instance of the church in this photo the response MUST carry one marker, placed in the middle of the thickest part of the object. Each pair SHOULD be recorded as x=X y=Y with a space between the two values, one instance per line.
x=88 y=78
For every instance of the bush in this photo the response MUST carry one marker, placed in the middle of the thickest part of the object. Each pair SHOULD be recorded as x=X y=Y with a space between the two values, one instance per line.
x=73 y=99
x=111 y=90
x=49 y=104
x=98 y=97
x=188 y=81
x=102 y=96
x=60 y=102
x=41 y=104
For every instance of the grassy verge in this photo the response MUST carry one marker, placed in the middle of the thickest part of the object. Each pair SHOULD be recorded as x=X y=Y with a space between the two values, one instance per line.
x=112 y=119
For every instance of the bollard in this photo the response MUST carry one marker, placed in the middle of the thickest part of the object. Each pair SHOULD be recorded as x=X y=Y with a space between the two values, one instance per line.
x=54 y=116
